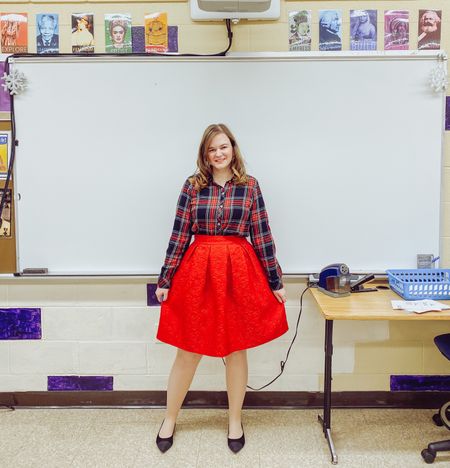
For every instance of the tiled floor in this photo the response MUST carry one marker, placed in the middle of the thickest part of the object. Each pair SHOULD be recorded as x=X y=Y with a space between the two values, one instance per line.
x=124 y=438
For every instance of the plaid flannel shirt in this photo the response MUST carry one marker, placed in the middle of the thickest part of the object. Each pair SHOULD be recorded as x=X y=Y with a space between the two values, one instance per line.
x=232 y=210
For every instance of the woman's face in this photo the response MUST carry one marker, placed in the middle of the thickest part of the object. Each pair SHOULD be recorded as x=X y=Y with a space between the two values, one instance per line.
x=81 y=24
x=364 y=17
x=118 y=34
x=219 y=152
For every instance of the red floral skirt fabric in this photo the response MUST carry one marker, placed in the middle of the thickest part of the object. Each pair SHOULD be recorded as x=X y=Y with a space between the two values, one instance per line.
x=220 y=300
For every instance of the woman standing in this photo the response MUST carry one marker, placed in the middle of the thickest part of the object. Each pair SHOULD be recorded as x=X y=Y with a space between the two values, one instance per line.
x=220 y=295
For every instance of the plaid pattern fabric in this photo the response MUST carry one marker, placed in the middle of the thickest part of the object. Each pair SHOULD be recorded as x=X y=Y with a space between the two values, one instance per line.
x=232 y=210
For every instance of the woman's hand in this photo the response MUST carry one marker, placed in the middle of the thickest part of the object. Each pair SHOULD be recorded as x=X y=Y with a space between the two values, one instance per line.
x=161 y=294
x=280 y=294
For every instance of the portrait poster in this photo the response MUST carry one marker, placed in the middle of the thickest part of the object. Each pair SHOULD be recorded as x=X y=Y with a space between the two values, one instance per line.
x=300 y=30
x=330 y=33
x=363 y=29
x=47 y=33
x=83 y=33
x=5 y=138
x=118 y=33
x=429 y=30
x=156 y=33
x=396 y=30
x=5 y=220
x=14 y=33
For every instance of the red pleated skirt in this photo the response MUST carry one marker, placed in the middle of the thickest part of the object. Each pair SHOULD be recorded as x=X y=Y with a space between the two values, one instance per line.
x=220 y=300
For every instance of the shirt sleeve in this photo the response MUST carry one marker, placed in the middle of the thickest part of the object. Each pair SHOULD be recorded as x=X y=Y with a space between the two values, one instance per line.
x=180 y=237
x=262 y=240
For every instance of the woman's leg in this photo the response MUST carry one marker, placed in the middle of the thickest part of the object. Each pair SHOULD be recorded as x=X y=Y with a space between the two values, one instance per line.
x=237 y=377
x=180 y=379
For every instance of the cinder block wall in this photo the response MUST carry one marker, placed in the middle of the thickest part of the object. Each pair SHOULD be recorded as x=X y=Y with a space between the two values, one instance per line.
x=103 y=327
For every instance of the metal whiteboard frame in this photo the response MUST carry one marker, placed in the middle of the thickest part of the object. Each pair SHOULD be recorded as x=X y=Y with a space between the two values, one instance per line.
x=238 y=57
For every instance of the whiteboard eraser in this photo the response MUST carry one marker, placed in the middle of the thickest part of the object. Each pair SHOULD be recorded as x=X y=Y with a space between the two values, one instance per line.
x=35 y=271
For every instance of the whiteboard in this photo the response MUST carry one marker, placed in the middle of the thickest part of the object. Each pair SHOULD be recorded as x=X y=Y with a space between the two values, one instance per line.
x=347 y=148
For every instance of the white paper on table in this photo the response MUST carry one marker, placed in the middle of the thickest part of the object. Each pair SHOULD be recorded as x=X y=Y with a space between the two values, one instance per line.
x=419 y=307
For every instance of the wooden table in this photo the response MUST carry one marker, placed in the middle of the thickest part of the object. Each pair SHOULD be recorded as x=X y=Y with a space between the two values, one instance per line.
x=358 y=306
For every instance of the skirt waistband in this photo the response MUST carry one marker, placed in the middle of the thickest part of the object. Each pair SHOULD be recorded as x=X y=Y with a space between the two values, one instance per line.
x=203 y=238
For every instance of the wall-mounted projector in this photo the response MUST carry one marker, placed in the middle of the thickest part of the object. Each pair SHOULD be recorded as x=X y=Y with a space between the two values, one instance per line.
x=213 y=10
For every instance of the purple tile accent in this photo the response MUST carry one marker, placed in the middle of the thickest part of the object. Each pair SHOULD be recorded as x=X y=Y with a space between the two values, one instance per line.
x=5 y=103
x=173 y=38
x=447 y=113
x=151 y=298
x=96 y=382
x=20 y=324
x=420 y=383
x=58 y=383
x=68 y=382
x=138 y=39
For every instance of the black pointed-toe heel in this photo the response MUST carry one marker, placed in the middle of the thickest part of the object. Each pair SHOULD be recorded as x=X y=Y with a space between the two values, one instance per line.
x=236 y=444
x=164 y=443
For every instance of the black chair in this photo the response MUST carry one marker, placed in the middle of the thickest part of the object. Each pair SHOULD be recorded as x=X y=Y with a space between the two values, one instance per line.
x=442 y=418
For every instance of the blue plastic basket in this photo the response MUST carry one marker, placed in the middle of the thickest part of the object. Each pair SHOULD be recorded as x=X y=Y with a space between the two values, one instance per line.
x=421 y=283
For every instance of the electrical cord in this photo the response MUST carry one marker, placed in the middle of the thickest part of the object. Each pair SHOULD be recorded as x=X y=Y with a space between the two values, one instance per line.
x=230 y=36
x=283 y=363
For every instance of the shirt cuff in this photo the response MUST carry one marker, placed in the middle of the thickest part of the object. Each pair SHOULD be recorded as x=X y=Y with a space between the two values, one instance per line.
x=163 y=283
x=276 y=285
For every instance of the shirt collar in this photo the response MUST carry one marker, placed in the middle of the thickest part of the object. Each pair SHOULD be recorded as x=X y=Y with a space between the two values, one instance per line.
x=229 y=181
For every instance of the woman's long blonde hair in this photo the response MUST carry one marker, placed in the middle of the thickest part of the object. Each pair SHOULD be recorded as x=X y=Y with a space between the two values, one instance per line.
x=201 y=178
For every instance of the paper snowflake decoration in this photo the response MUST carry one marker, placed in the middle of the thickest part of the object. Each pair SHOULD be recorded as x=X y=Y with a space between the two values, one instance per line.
x=438 y=75
x=15 y=82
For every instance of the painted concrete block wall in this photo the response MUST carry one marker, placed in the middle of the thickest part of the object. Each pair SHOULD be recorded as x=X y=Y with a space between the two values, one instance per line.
x=104 y=328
